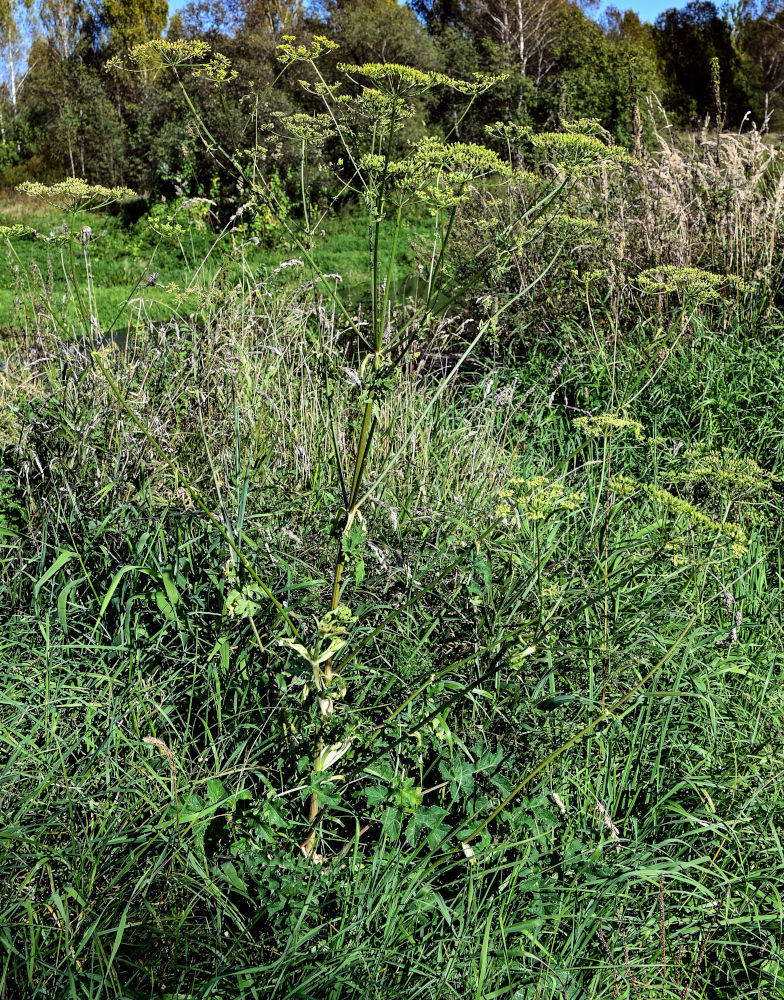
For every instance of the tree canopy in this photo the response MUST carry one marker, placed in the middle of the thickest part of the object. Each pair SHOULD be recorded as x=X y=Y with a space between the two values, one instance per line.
x=62 y=113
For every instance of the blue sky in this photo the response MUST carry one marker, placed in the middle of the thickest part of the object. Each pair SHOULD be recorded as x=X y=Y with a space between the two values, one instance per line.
x=648 y=10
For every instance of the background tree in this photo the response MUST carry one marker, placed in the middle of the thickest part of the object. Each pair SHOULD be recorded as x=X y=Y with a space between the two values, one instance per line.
x=71 y=117
x=130 y=22
x=380 y=31
x=759 y=31
x=528 y=30
x=61 y=22
x=15 y=23
x=688 y=40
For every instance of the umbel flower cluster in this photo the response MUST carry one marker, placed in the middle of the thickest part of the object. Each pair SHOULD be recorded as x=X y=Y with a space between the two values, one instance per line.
x=158 y=53
x=392 y=78
x=607 y=423
x=75 y=194
x=724 y=483
x=536 y=498
x=705 y=286
x=626 y=486
x=435 y=172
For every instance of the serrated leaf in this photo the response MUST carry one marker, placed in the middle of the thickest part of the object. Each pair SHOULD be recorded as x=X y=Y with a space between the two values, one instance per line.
x=215 y=790
x=408 y=796
x=489 y=761
x=324 y=789
x=428 y=818
x=375 y=795
x=392 y=823
x=460 y=775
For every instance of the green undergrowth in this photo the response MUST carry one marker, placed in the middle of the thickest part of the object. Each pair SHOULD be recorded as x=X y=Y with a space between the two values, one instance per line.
x=573 y=575
x=142 y=271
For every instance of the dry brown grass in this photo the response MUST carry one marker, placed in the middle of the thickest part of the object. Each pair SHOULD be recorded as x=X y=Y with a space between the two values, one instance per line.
x=706 y=200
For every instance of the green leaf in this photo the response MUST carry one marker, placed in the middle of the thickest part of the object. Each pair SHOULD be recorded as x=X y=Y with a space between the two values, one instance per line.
x=375 y=795
x=232 y=876
x=428 y=818
x=408 y=796
x=62 y=600
x=168 y=599
x=324 y=789
x=460 y=775
x=216 y=791
x=57 y=565
x=392 y=823
x=118 y=936
x=115 y=583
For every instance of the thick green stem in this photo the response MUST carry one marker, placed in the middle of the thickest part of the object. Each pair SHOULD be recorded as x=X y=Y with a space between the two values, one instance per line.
x=83 y=311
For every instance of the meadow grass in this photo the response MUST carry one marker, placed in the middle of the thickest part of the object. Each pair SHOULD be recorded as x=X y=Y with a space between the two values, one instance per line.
x=373 y=645
x=137 y=276
x=153 y=785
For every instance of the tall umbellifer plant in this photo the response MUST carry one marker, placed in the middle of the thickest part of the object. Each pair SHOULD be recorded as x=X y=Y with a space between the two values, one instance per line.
x=358 y=133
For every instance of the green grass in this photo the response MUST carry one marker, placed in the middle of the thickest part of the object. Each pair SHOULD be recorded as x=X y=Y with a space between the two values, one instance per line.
x=355 y=650
x=122 y=254
x=137 y=869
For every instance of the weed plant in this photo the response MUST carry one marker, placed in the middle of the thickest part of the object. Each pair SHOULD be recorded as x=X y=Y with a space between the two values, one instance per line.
x=342 y=660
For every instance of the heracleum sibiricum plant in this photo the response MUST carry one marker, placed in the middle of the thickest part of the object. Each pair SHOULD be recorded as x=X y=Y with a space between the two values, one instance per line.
x=358 y=135
x=732 y=493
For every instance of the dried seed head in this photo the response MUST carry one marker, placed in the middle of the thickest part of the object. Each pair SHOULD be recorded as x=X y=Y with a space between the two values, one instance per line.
x=615 y=833
x=164 y=750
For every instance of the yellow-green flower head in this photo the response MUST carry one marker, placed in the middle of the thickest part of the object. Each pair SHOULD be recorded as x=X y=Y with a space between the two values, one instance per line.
x=537 y=498
x=218 y=69
x=17 y=232
x=626 y=487
x=159 y=52
x=604 y=424
x=728 y=481
x=466 y=157
x=738 y=475
x=481 y=83
x=375 y=108
x=436 y=172
x=311 y=129
x=75 y=194
x=509 y=132
x=581 y=149
x=289 y=52
x=703 y=285
x=392 y=78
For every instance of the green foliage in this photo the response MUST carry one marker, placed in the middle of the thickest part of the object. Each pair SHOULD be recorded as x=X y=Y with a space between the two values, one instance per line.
x=133 y=23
